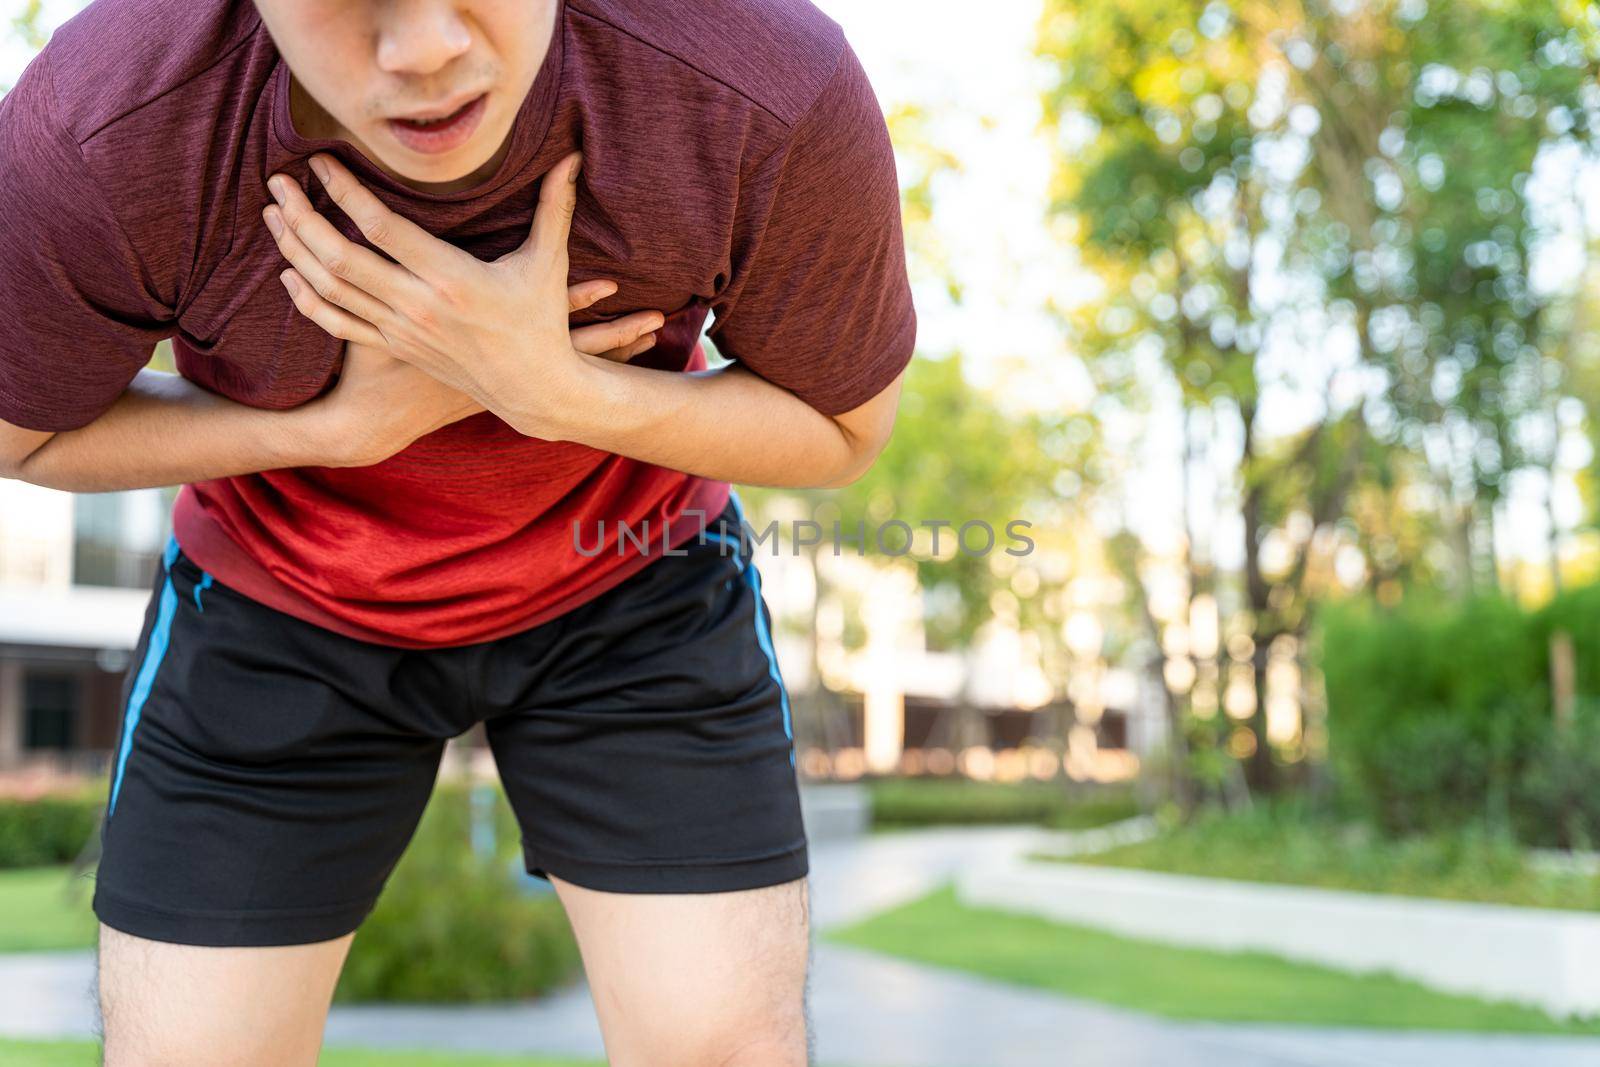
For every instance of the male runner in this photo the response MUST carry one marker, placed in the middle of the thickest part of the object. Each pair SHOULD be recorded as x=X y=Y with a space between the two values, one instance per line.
x=406 y=399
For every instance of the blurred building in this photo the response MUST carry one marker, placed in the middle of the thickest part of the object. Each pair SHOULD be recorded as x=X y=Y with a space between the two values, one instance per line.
x=889 y=702
x=75 y=574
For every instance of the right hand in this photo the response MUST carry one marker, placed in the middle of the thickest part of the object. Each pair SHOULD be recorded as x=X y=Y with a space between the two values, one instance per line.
x=380 y=404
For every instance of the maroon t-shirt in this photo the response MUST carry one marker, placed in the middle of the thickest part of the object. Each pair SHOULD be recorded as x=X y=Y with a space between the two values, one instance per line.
x=736 y=163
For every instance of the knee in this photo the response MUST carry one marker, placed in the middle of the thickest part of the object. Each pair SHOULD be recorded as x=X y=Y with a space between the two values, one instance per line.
x=778 y=1048
x=142 y=1048
x=767 y=1043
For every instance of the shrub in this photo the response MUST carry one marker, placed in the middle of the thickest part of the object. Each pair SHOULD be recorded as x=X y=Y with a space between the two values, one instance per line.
x=50 y=829
x=1431 y=772
x=1436 y=710
x=1559 y=792
x=454 y=925
x=910 y=802
x=1287 y=842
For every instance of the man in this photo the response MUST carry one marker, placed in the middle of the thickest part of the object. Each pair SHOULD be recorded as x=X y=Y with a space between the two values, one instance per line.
x=410 y=406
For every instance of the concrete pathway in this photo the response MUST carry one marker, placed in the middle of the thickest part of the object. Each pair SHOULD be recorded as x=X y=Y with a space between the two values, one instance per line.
x=868 y=1010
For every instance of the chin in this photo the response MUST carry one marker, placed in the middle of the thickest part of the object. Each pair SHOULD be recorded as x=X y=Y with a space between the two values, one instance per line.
x=470 y=162
x=437 y=170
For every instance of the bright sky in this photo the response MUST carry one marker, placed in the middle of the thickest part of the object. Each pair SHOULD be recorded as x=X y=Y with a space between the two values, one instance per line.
x=970 y=67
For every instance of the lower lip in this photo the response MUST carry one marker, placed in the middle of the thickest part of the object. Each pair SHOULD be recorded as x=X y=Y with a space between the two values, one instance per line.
x=444 y=136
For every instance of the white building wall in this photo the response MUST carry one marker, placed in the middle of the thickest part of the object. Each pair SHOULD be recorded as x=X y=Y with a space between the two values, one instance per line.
x=35 y=535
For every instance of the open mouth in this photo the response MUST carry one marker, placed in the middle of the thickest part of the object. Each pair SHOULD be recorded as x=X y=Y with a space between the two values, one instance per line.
x=425 y=124
x=443 y=133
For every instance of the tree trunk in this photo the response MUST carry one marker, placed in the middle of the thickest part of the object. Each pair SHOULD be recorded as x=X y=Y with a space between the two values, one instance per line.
x=1262 y=772
x=1125 y=554
x=1259 y=770
x=1491 y=547
x=1553 y=532
x=1462 y=521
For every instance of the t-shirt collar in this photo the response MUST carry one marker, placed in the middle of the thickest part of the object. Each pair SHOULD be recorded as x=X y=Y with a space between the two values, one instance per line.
x=527 y=132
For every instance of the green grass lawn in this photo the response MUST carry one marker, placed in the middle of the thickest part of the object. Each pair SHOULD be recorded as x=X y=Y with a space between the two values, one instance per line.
x=85 y=1054
x=1179 y=983
x=44 y=908
x=1287 y=848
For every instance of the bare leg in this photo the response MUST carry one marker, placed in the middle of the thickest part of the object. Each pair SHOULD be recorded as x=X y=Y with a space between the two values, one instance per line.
x=697 y=979
x=168 y=1005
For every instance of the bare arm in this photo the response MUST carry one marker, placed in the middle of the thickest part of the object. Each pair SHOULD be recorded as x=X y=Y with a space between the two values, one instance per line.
x=163 y=430
x=687 y=421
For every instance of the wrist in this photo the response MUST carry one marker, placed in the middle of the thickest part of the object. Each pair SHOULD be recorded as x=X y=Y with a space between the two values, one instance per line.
x=312 y=435
x=561 y=407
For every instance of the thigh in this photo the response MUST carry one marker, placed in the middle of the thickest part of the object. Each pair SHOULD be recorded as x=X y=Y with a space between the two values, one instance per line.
x=696 y=978
x=190 y=1006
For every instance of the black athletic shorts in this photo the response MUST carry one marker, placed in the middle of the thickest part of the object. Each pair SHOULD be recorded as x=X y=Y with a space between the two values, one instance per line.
x=269 y=771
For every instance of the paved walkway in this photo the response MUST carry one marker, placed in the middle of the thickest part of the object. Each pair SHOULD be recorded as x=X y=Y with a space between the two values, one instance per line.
x=868 y=1010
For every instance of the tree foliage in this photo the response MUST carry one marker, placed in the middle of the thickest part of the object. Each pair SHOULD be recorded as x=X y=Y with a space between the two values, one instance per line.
x=1333 y=208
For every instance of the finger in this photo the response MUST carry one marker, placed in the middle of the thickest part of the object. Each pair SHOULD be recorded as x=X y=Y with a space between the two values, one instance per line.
x=333 y=320
x=619 y=333
x=552 y=218
x=643 y=344
x=585 y=294
x=622 y=355
x=334 y=290
x=407 y=243
x=340 y=257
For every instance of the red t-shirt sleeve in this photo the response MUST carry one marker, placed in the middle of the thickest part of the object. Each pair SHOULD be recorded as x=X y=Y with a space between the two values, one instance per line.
x=77 y=321
x=819 y=302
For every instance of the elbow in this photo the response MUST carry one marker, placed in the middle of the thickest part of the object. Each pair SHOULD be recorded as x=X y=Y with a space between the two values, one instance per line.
x=17 y=456
x=859 y=464
x=866 y=431
x=14 y=470
x=843 y=480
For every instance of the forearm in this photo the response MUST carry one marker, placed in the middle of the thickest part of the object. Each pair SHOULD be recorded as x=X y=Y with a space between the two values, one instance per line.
x=165 y=430
x=727 y=424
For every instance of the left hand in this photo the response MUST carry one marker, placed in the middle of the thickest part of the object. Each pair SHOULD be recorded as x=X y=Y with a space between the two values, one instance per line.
x=496 y=331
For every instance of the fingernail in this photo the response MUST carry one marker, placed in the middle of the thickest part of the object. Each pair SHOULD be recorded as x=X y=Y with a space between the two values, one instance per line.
x=274 y=223
x=275 y=187
x=572 y=175
x=319 y=167
x=657 y=321
x=291 y=283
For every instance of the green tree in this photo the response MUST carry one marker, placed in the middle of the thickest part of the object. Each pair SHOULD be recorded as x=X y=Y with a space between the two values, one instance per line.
x=1348 y=182
x=1427 y=124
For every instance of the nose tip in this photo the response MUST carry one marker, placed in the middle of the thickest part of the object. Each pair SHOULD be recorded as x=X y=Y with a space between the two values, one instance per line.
x=422 y=45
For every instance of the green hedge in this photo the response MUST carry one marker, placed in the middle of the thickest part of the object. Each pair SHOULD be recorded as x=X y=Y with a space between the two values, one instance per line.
x=47 y=830
x=1290 y=843
x=901 y=803
x=1440 y=716
x=455 y=926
